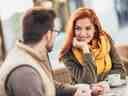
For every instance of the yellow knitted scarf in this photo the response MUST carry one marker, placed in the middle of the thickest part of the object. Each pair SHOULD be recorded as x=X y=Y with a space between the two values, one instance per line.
x=101 y=55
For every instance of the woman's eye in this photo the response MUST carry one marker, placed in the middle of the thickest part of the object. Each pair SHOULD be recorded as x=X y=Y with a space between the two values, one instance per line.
x=88 y=28
x=77 y=28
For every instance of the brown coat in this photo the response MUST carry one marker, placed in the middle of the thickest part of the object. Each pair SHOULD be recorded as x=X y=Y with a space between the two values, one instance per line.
x=23 y=55
x=24 y=60
x=122 y=50
x=86 y=73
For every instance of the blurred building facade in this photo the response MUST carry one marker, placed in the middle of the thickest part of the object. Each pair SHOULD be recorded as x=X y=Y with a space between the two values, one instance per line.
x=114 y=18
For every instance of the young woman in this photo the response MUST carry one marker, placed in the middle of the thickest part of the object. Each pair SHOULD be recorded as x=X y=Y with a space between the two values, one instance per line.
x=89 y=51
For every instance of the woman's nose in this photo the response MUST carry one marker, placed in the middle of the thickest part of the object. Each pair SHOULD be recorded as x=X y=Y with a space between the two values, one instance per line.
x=83 y=32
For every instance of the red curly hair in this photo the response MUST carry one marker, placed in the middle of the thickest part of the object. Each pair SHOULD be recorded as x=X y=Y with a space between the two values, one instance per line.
x=79 y=14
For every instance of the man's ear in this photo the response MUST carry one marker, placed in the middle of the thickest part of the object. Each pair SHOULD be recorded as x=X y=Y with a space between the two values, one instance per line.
x=46 y=36
x=49 y=35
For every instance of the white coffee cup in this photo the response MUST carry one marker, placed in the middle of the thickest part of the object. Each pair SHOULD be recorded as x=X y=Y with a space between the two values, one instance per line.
x=113 y=79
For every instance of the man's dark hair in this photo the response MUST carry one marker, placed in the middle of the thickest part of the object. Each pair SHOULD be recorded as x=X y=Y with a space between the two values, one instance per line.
x=36 y=23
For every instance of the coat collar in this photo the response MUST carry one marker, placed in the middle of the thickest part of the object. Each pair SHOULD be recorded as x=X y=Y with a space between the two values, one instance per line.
x=41 y=58
x=36 y=55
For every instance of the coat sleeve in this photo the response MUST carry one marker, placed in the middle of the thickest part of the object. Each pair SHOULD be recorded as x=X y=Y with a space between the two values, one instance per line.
x=117 y=64
x=64 y=89
x=25 y=81
x=85 y=73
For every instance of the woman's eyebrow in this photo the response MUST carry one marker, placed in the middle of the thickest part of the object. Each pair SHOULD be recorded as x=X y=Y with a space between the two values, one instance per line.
x=77 y=26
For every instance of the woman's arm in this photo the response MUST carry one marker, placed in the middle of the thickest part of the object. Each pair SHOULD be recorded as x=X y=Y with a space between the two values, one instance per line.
x=117 y=64
x=82 y=73
x=64 y=89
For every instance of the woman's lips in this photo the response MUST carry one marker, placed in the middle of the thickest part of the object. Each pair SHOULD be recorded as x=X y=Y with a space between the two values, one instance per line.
x=83 y=38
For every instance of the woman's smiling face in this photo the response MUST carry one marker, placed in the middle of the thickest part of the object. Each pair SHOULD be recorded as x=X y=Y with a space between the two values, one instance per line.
x=84 y=30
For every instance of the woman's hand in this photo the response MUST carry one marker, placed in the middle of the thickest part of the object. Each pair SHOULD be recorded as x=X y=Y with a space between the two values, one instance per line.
x=100 y=88
x=81 y=44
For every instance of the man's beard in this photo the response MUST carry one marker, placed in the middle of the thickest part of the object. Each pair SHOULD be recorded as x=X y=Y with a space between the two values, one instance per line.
x=49 y=48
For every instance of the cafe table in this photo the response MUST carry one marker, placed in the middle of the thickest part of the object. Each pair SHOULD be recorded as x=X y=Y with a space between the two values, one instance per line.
x=118 y=90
